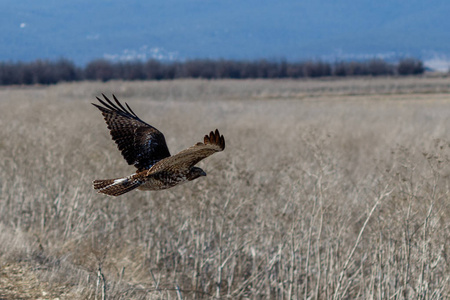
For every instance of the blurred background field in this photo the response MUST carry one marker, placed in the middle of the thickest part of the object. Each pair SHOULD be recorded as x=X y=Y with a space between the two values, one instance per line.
x=328 y=189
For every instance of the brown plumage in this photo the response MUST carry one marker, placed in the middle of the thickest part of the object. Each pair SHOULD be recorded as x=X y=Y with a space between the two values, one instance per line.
x=144 y=146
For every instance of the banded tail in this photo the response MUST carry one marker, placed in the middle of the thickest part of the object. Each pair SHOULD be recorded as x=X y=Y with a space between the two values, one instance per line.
x=116 y=187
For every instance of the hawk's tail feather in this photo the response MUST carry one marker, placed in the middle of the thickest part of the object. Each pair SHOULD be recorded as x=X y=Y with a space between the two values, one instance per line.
x=101 y=183
x=116 y=187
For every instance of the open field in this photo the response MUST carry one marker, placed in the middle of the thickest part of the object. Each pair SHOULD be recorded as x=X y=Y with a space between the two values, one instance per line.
x=327 y=189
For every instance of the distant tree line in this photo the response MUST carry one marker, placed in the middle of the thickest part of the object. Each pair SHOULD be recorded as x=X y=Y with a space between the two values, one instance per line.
x=49 y=72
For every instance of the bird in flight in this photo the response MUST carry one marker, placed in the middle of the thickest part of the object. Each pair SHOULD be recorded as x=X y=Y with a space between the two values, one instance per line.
x=144 y=146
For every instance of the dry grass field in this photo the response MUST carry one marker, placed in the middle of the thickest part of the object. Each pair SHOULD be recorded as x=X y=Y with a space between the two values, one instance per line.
x=328 y=189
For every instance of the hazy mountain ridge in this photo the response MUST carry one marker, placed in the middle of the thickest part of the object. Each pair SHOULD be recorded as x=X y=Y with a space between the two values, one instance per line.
x=252 y=29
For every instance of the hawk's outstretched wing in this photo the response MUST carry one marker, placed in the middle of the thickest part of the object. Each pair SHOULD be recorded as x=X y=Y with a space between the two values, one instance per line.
x=141 y=144
x=192 y=155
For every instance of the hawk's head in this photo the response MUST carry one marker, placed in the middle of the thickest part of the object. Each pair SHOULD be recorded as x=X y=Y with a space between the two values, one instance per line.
x=195 y=173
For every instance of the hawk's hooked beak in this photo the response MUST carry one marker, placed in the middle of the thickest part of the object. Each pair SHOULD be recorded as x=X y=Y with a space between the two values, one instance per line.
x=194 y=173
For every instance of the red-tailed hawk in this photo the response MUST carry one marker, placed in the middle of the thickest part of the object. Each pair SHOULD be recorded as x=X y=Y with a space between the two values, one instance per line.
x=144 y=146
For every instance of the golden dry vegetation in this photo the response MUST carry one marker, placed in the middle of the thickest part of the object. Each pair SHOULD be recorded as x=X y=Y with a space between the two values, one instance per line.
x=328 y=189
